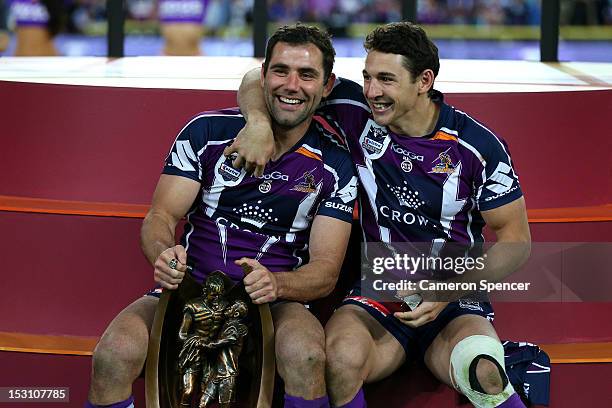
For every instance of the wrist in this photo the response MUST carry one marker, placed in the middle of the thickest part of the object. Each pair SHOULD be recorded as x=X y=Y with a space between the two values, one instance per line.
x=280 y=285
x=258 y=117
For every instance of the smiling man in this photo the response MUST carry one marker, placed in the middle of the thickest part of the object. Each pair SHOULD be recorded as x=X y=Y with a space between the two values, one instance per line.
x=432 y=175
x=290 y=224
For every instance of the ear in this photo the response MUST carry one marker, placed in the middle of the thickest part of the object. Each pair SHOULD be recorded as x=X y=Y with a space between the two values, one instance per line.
x=426 y=81
x=329 y=85
x=262 y=75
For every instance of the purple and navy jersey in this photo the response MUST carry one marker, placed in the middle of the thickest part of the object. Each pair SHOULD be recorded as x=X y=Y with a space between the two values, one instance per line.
x=423 y=189
x=29 y=13
x=267 y=218
x=182 y=11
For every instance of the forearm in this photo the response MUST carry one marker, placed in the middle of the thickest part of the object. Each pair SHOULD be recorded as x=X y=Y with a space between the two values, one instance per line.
x=511 y=227
x=500 y=261
x=156 y=235
x=312 y=281
x=184 y=330
x=223 y=342
x=251 y=98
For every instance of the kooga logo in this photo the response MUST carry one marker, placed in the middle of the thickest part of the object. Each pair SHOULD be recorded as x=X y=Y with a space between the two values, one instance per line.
x=275 y=175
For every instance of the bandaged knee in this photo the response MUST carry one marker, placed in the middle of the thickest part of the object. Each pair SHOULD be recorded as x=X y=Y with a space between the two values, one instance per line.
x=464 y=359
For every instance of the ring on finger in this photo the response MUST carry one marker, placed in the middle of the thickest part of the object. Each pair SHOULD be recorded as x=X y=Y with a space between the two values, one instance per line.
x=173 y=263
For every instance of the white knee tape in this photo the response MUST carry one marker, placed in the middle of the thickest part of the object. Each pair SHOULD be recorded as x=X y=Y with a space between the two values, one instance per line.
x=461 y=358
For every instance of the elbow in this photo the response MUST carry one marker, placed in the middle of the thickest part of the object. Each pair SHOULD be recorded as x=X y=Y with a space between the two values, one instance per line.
x=328 y=289
x=330 y=284
x=144 y=228
x=523 y=242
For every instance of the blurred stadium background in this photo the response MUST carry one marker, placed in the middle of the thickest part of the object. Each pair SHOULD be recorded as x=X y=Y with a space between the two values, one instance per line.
x=470 y=29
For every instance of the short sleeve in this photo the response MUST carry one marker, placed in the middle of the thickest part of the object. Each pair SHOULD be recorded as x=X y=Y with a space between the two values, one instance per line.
x=184 y=157
x=500 y=184
x=341 y=192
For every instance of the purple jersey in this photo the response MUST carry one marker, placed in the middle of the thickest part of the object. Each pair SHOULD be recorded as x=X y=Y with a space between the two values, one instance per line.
x=182 y=11
x=423 y=189
x=29 y=13
x=268 y=218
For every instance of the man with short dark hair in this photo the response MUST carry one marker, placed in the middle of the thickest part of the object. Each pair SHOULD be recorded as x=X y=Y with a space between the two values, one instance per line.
x=290 y=224
x=432 y=175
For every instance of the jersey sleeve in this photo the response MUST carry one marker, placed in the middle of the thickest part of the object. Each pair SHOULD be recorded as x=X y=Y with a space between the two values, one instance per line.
x=347 y=108
x=341 y=189
x=499 y=183
x=184 y=157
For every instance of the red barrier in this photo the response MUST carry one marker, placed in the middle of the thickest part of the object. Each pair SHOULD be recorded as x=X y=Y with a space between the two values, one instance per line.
x=107 y=144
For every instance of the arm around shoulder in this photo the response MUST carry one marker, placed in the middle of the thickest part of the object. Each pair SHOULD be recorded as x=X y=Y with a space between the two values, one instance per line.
x=254 y=144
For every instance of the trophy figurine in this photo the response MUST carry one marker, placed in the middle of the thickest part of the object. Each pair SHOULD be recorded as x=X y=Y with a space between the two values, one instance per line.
x=209 y=344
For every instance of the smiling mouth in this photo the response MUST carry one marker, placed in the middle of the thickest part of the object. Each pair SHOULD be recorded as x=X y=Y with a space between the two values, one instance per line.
x=290 y=101
x=380 y=106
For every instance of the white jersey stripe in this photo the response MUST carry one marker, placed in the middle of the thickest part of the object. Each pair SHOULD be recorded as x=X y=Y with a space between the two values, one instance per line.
x=264 y=248
x=345 y=102
x=192 y=228
x=488 y=130
x=301 y=220
x=366 y=175
x=312 y=149
x=449 y=131
x=205 y=115
x=473 y=150
x=451 y=204
x=336 y=178
x=469 y=225
x=222 y=240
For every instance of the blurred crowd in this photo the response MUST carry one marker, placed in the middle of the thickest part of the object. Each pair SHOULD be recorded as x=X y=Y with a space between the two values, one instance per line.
x=341 y=13
x=231 y=18
x=221 y=14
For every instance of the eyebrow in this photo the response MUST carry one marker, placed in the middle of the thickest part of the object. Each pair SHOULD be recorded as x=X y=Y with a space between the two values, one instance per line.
x=303 y=70
x=382 y=73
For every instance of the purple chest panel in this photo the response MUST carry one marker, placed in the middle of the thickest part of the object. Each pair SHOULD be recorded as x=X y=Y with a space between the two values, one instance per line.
x=265 y=218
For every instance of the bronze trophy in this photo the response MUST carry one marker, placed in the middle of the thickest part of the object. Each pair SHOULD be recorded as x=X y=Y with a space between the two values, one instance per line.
x=209 y=344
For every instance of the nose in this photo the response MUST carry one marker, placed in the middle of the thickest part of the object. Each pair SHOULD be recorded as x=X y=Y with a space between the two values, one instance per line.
x=372 y=89
x=293 y=82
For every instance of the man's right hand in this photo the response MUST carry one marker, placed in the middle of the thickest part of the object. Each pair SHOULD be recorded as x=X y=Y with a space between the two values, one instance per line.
x=167 y=277
x=254 y=145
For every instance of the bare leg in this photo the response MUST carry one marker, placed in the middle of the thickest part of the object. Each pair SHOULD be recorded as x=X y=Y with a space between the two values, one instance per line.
x=358 y=350
x=121 y=352
x=189 y=386
x=300 y=350
x=34 y=42
x=182 y=39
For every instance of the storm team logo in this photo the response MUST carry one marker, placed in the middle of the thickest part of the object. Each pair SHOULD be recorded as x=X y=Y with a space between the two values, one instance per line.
x=307 y=183
x=444 y=163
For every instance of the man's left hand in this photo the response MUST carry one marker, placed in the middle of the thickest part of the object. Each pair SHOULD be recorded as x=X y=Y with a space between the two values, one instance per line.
x=424 y=313
x=254 y=147
x=260 y=283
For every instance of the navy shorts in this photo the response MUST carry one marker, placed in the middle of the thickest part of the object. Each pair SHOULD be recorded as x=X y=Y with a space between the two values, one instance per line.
x=420 y=338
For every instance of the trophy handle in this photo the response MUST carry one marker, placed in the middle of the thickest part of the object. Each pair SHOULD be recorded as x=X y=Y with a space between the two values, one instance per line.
x=268 y=372
x=152 y=364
